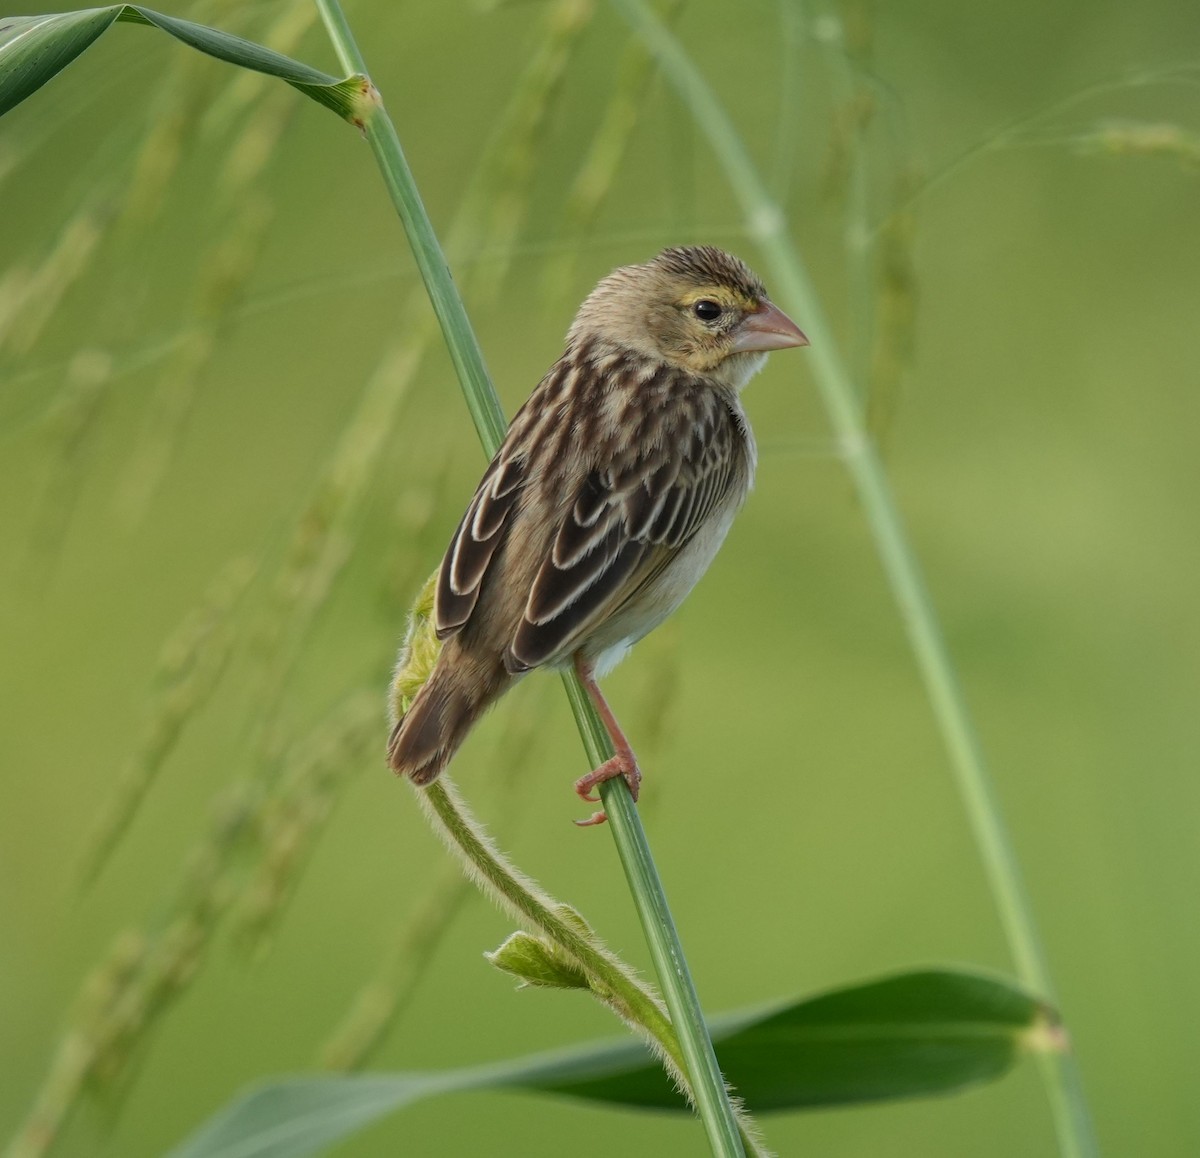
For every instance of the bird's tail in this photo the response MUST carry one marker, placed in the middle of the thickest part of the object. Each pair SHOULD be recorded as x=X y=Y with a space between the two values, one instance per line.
x=458 y=692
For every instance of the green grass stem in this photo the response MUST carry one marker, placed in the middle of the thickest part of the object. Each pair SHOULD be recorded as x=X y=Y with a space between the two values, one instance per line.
x=712 y=1098
x=708 y=1086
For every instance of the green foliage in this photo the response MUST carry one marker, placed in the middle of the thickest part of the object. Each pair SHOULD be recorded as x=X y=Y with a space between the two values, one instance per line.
x=293 y=762
x=33 y=49
x=539 y=962
x=909 y=1035
x=418 y=653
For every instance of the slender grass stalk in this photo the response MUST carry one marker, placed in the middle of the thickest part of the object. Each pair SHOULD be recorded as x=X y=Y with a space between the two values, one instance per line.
x=712 y=1098
x=1019 y=132
x=461 y=342
x=766 y=224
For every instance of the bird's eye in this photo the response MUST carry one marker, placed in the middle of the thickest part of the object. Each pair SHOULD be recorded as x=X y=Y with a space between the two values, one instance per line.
x=707 y=310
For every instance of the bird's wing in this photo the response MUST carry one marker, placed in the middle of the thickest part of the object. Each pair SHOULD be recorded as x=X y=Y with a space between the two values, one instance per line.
x=628 y=520
x=491 y=513
x=475 y=542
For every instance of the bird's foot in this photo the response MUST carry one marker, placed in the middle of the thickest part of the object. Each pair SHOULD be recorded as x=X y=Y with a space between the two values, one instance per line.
x=622 y=764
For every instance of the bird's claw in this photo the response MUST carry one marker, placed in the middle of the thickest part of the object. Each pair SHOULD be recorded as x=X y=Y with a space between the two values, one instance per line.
x=623 y=765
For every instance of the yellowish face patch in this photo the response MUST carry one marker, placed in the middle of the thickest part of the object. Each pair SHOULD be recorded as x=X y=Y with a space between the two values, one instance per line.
x=729 y=300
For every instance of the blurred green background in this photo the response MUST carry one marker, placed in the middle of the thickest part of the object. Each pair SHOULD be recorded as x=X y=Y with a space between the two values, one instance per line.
x=200 y=280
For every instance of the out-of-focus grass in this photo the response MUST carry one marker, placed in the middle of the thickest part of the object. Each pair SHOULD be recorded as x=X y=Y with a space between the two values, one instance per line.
x=1045 y=469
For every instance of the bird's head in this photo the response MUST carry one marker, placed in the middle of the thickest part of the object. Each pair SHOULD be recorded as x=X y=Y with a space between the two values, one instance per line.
x=695 y=308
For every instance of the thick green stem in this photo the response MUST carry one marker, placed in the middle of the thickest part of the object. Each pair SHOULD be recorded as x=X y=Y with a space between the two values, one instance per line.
x=711 y=1097
x=766 y=224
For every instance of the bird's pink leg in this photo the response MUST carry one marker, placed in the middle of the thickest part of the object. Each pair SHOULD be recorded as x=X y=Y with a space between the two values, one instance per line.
x=624 y=763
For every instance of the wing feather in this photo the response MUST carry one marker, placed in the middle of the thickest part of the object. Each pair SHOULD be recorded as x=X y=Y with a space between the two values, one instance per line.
x=559 y=587
x=475 y=543
x=622 y=528
x=538 y=640
x=495 y=506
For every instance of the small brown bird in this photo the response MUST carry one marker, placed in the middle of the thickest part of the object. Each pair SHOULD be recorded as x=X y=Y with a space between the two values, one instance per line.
x=615 y=485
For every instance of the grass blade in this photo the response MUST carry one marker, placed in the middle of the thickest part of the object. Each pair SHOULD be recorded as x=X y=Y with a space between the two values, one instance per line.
x=907 y=1035
x=34 y=49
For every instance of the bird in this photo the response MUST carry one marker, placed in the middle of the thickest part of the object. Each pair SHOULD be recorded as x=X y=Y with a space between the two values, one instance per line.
x=612 y=491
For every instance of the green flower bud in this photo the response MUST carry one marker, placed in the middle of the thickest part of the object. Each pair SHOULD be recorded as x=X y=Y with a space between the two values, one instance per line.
x=538 y=962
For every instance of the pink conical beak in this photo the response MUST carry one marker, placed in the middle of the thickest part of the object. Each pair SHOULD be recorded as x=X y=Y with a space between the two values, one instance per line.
x=768 y=328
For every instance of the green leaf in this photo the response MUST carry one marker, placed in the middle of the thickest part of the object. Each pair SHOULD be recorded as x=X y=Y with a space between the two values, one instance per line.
x=907 y=1035
x=289 y=1119
x=904 y=1036
x=35 y=48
